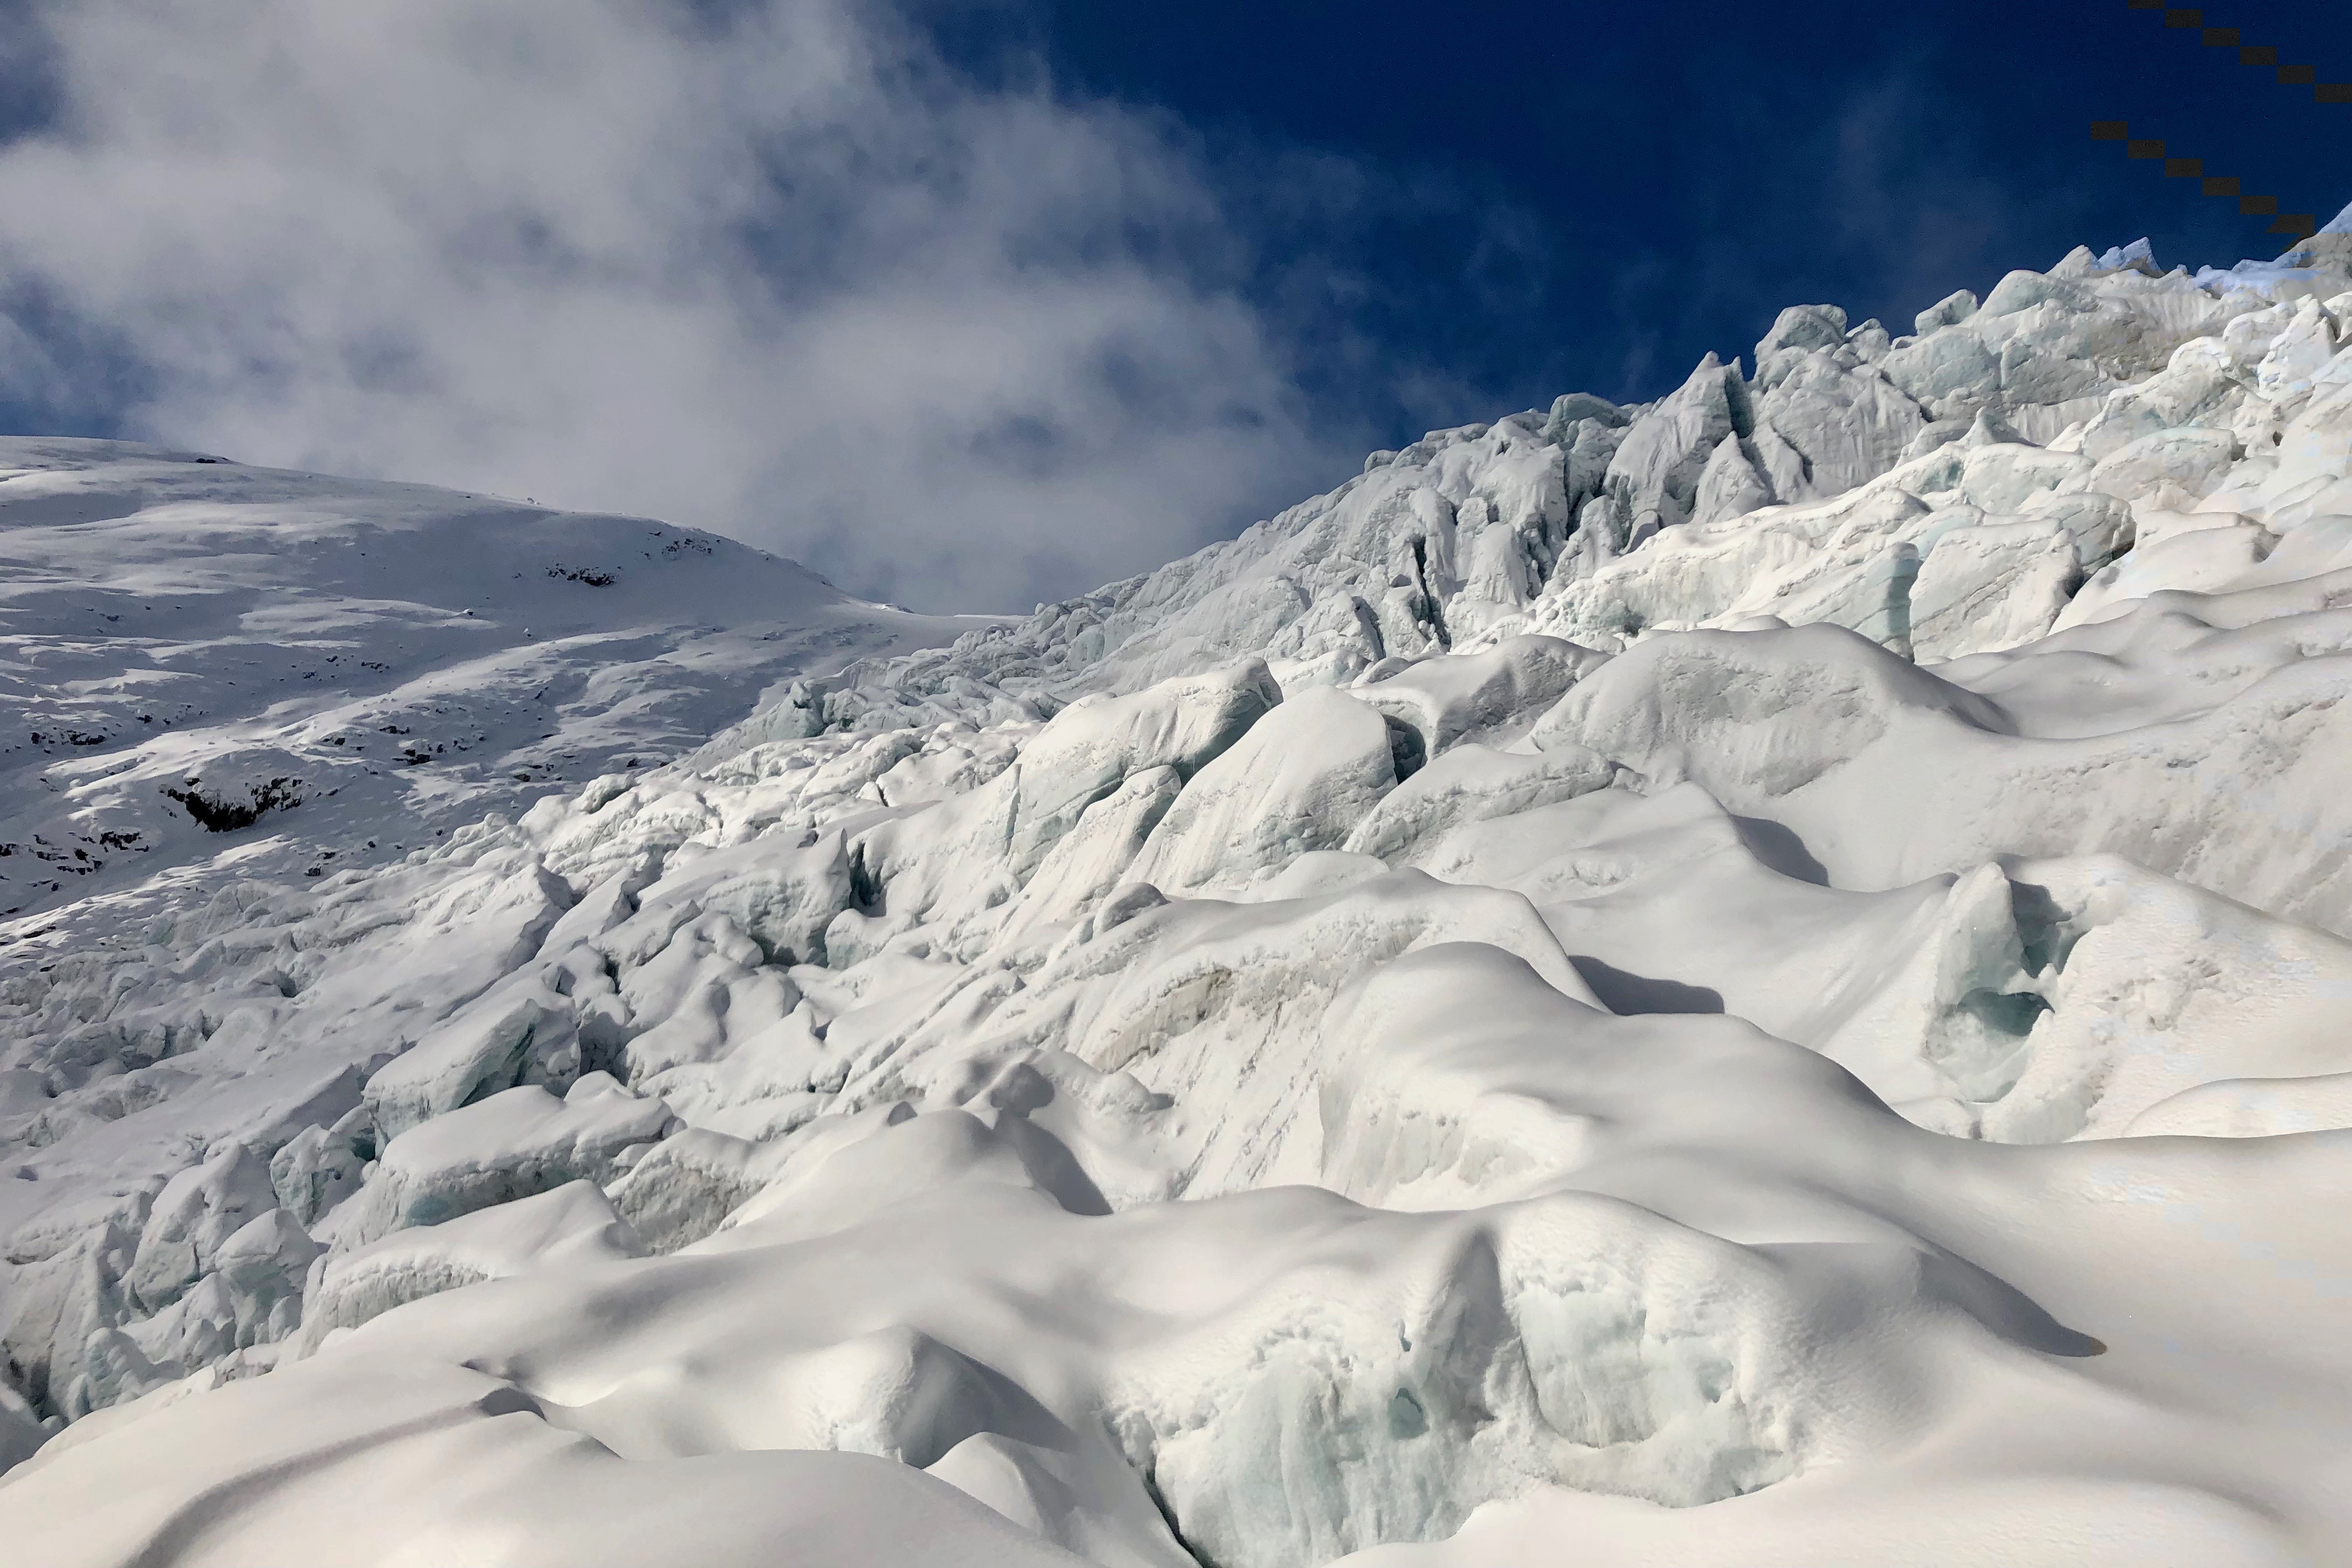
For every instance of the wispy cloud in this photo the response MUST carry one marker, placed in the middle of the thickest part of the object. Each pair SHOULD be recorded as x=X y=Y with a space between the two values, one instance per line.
x=770 y=268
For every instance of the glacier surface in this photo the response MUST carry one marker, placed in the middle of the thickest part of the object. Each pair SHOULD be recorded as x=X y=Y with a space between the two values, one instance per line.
x=1755 y=979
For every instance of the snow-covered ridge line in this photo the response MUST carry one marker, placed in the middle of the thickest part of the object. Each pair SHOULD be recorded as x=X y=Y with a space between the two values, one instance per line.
x=1474 y=533
x=188 y=645
x=1744 y=980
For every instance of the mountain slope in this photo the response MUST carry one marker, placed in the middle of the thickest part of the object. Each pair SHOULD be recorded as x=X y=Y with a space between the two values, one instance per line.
x=401 y=660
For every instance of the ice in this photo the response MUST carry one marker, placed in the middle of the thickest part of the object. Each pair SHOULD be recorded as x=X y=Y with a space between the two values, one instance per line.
x=1982 y=589
x=1756 y=978
x=1494 y=695
x=485 y=1048
x=21 y=1432
x=1471 y=783
x=1654 y=476
x=972 y=854
x=1809 y=736
x=575 y=1220
x=1300 y=780
x=685 y=1187
x=195 y=1214
x=509 y=1146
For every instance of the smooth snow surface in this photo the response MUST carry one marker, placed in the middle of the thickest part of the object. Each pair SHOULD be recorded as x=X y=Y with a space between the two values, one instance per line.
x=1761 y=979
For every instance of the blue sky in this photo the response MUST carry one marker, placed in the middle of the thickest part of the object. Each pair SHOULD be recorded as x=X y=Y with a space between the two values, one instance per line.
x=1612 y=191
x=985 y=302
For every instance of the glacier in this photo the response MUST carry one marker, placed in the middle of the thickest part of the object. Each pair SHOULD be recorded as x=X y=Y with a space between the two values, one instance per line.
x=1756 y=978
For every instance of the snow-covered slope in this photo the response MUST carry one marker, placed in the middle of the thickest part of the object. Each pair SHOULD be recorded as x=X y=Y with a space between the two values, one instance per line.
x=178 y=635
x=1758 y=979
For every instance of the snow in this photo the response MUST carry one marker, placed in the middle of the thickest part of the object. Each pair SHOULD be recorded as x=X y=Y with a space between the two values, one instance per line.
x=404 y=655
x=1754 y=979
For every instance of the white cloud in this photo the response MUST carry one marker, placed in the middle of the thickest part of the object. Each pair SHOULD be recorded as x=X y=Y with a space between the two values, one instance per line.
x=774 y=271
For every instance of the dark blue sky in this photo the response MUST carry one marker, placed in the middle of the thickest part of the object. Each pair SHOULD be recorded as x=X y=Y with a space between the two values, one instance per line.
x=1592 y=196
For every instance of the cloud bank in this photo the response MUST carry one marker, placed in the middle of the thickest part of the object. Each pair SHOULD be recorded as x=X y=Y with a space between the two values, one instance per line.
x=772 y=268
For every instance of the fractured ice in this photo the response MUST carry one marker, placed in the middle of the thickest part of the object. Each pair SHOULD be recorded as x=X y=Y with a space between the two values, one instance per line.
x=1759 y=978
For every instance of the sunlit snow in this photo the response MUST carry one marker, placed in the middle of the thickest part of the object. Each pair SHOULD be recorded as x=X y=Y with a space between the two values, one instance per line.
x=1756 y=979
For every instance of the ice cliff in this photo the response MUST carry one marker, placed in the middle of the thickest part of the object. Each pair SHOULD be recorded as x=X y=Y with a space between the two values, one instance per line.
x=1756 y=978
